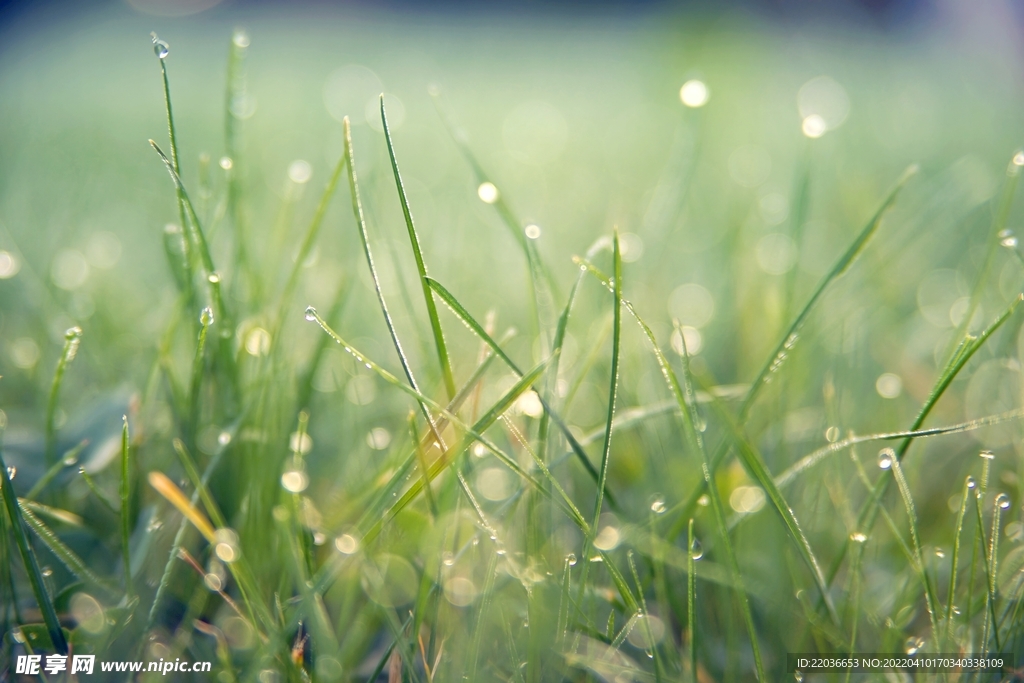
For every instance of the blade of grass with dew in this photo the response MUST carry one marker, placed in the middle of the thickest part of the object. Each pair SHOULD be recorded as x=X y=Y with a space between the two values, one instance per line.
x=28 y=558
x=70 y=458
x=684 y=395
x=305 y=383
x=161 y=49
x=308 y=240
x=357 y=210
x=749 y=456
x=460 y=311
x=999 y=221
x=810 y=460
x=234 y=92
x=648 y=633
x=613 y=385
x=992 y=567
x=953 y=564
x=471 y=433
x=915 y=539
x=62 y=552
x=100 y=496
x=789 y=338
x=125 y=513
x=970 y=346
x=414 y=240
x=691 y=600
x=72 y=339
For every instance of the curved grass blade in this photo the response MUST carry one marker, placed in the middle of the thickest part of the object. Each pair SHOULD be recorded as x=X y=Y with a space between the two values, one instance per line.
x=915 y=539
x=967 y=349
x=63 y=553
x=414 y=240
x=72 y=339
x=357 y=210
x=953 y=561
x=459 y=310
x=28 y=557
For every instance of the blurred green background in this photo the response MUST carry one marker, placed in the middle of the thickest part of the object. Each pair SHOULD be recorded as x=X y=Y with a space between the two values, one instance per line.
x=576 y=115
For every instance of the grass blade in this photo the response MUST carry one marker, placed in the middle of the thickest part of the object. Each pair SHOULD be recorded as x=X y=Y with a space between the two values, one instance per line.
x=953 y=561
x=414 y=240
x=126 y=529
x=72 y=339
x=28 y=557
x=691 y=600
x=460 y=311
x=357 y=210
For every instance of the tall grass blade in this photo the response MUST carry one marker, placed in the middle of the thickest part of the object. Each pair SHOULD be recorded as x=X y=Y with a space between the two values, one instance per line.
x=460 y=311
x=953 y=564
x=28 y=557
x=414 y=240
x=357 y=211
x=126 y=511
x=72 y=339
x=691 y=601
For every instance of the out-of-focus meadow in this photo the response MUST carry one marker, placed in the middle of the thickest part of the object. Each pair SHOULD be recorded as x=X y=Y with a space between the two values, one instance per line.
x=524 y=138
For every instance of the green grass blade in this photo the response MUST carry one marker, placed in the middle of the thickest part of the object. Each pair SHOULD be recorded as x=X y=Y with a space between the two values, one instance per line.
x=63 y=553
x=866 y=517
x=72 y=339
x=915 y=539
x=28 y=557
x=160 y=48
x=357 y=211
x=691 y=600
x=460 y=311
x=414 y=240
x=96 y=491
x=126 y=509
x=953 y=562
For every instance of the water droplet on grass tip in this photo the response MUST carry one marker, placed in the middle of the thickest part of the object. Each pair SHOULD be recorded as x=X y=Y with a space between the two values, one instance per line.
x=886 y=456
x=206 y=317
x=1003 y=501
x=971 y=483
x=658 y=506
x=240 y=39
x=310 y=313
x=987 y=455
x=1018 y=159
x=226 y=163
x=696 y=550
x=940 y=553
x=571 y=559
x=1007 y=239
x=858 y=537
x=532 y=231
x=160 y=48
x=73 y=333
x=447 y=559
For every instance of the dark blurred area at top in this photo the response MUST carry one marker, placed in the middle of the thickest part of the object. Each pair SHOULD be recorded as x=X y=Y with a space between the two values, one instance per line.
x=876 y=14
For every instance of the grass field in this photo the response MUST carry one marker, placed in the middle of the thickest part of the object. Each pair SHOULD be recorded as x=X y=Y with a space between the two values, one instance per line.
x=565 y=370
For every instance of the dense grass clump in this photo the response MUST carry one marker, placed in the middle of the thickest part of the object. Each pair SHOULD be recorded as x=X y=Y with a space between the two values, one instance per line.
x=463 y=480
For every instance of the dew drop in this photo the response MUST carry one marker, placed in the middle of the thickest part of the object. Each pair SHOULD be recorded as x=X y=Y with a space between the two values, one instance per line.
x=226 y=547
x=696 y=550
x=971 y=483
x=346 y=544
x=213 y=278
x=1007 y=239
x=658 y=506
x=447 y=559
x=160 y=48
x=310 y=313
x=914 y=644
x=704 y=501
x=226 y=163
x=940 y=553
x=206 y=317
x=885 y=458
x=12 y=472
x=487 y=192
x=47 y=571
x=798 y=677
x=224 y=438
x=832 y=434
x=294 y=481
x=571 y=559
x=988 y=455
x=1003 y=501
x=532 y=231
x=1018 y=159
x=858 y=537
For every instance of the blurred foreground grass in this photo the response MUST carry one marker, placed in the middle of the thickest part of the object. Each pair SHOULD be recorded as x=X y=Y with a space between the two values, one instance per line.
x=325 y=557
